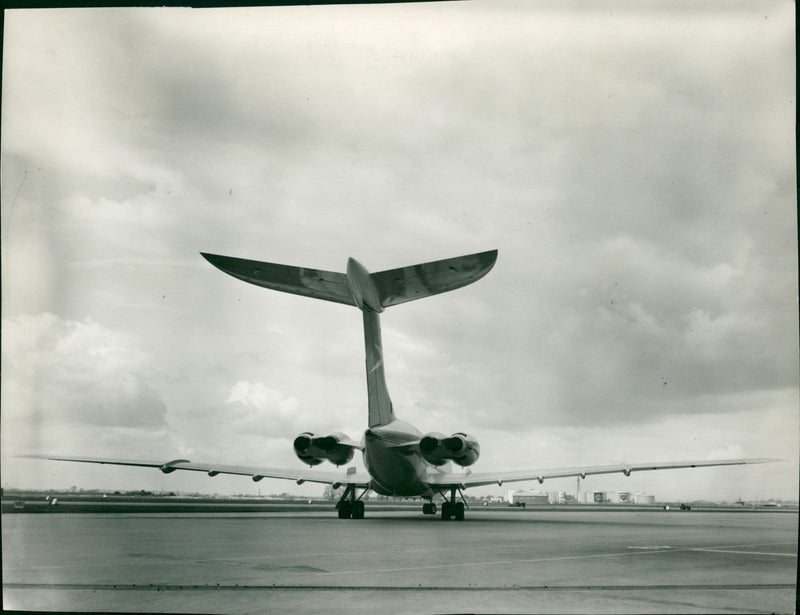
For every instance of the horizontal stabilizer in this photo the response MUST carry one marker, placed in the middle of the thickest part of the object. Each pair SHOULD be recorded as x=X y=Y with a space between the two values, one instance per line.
x=397 y=286
x=364 y=290
x=316 y=283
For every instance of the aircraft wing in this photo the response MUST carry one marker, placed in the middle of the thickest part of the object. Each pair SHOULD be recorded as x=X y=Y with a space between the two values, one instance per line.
x=300 y=476
x=417 y=281
x=327 y=285
x=477 y=479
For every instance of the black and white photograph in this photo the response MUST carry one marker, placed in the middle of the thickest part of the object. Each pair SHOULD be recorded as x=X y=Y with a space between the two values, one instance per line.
x=482 y=306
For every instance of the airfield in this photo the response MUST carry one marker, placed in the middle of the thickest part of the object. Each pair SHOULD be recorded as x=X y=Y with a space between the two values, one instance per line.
x=499 y=560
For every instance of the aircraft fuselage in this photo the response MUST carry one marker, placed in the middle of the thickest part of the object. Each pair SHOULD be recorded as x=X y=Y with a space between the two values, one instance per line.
x=393 y=460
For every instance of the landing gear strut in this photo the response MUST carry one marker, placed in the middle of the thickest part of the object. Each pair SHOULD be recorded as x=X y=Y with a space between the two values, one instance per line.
x=349 y=506
x=452 y=509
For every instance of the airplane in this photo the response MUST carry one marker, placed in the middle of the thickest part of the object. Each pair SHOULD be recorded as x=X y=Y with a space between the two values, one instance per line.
x=399 y=459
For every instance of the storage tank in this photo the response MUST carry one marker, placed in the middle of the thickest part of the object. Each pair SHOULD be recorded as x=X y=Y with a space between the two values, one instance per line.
x=644 y=498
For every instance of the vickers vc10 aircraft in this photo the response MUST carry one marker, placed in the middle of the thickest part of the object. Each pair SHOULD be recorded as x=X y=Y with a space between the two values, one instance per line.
x=399 y=459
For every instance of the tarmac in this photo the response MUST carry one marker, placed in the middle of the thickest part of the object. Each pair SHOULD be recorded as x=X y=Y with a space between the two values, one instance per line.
x=496 y=561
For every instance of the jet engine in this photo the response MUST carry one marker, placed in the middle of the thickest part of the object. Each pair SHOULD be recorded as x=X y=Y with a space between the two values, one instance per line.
x=313 y=450
x=460 y=448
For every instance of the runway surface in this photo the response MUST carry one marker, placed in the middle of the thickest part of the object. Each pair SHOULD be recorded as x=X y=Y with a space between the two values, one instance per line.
x=523 y=561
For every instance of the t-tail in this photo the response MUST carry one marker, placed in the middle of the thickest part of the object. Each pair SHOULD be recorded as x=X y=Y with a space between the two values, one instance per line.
x=370 y=292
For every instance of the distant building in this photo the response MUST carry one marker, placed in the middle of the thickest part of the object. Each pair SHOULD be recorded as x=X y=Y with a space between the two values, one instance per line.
x=614 y=497
x=556 y=497
x=528 y=498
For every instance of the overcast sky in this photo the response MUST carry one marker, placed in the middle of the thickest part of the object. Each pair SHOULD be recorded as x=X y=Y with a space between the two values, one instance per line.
x=633 y=163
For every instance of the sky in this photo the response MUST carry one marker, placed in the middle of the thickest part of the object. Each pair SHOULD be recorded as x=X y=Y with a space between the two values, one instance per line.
x=633 y=163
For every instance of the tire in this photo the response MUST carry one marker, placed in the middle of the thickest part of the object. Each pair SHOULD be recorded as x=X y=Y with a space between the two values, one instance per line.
x=358 y=510
x=459 y=512
x=446 y=514
x=345 y=511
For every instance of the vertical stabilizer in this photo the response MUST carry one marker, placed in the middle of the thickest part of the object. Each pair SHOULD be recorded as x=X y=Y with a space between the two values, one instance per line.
x=380 y=406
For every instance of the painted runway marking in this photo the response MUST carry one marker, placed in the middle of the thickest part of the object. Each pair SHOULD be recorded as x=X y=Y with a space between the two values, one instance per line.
x=745 y=552
x=635 y=550
x=721 y=550
x=551 y=559
x=490 y=563
x=149 y=559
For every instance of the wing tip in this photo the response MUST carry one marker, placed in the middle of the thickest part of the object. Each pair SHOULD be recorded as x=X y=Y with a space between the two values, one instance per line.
x=491 y=257
x=214 y=259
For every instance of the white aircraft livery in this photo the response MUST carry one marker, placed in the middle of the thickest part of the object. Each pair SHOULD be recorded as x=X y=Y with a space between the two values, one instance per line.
x=399 y=459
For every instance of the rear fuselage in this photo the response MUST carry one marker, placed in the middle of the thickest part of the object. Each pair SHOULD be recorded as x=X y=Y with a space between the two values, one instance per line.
x=393 y=460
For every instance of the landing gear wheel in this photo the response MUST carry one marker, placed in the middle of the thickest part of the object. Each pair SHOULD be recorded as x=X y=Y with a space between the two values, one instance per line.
x=459 y=512
x=358 y=509
x=429 y=508
x=345 y=510
x=446 y=511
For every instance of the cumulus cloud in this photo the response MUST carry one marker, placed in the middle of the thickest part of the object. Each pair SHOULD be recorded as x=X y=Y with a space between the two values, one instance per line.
x=254 y=408
x=66 y=375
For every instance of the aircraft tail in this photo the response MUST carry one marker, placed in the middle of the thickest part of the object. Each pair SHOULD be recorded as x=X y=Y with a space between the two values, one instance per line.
x=358 y=287
x=370 y=292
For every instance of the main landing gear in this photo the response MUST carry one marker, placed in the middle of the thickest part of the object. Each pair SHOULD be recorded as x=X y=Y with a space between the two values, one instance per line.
x=453 y=510
x=349 y=506
x=450 y=508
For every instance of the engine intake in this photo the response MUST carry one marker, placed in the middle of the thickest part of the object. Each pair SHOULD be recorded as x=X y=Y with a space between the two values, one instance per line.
x=313 y=450
x=459 y=448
